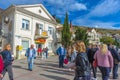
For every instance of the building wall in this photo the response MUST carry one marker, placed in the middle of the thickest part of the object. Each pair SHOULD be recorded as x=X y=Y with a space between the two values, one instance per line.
x=8 y=34
x=29 y=35
x=37 y=10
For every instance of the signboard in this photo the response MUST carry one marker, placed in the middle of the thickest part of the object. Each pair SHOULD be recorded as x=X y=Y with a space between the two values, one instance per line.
x=44 y=33
x=40 y=41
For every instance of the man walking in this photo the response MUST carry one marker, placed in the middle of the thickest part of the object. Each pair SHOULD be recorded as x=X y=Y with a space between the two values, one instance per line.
x=116 y=59
x=61 y=51
x=31 y=55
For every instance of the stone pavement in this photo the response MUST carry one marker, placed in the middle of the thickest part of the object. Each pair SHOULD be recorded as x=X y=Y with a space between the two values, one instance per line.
x=43 y=70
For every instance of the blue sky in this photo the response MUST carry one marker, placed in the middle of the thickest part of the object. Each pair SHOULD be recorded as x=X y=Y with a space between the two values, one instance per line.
x=92 y=13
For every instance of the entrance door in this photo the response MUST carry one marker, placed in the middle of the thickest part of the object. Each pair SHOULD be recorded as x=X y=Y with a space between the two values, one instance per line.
x=39 y=45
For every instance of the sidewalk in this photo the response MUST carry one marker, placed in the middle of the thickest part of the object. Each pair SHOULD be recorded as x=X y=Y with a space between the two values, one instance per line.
x=43 y=70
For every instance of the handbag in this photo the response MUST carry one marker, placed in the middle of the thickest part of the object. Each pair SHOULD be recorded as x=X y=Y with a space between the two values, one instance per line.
x=95 y=64
x=65 y=61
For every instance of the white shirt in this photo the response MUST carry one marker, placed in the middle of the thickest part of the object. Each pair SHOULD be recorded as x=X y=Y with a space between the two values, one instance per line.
x=31 y=52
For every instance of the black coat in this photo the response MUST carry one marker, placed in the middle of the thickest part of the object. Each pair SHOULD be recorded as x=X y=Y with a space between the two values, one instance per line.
x=82 y=65
x=91 y=53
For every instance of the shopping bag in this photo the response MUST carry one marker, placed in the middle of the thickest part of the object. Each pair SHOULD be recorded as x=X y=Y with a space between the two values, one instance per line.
x=95 y=64
x=65 y=61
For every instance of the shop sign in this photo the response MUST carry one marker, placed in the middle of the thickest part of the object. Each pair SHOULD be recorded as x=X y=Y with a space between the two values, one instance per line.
x=40 y=41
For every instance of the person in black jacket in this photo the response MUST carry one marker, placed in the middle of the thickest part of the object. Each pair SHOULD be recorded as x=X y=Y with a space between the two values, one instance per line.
x=116 y=60
x=90 y=54
x=7 y=59
x=82 y=71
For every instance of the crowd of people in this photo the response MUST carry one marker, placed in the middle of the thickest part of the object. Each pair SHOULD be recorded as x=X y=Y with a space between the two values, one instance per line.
x=6 y=59
x=83 y=59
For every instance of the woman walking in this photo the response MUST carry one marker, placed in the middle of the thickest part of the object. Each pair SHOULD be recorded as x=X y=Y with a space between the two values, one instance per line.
x=104 y=61
x=82 y=71
x=7 y=58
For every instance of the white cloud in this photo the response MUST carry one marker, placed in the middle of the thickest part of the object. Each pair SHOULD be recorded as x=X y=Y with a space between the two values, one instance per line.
x=106 y=8
x=60 y=7
x=78 y=6
x=95 y=23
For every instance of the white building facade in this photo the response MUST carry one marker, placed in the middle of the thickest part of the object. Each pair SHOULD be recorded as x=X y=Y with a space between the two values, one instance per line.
x=93 y=37
x=29 y=24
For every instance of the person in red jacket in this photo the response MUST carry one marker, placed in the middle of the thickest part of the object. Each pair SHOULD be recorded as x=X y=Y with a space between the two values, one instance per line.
x=39 y=51
x=1 y=66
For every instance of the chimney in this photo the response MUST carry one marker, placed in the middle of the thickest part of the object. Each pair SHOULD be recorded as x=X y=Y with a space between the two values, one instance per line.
x=70 y=24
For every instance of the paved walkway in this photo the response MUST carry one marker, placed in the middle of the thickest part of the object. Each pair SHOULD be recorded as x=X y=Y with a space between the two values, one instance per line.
x=43 y=70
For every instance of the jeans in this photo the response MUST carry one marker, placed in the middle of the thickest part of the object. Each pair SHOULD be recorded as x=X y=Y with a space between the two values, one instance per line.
x=105 y=72
x=46 y=54
x=10 y=72
x=61 y=60
x=43 y=55
x=30 y=63
x=115 y=70
x=88 y=77
x=94 y=69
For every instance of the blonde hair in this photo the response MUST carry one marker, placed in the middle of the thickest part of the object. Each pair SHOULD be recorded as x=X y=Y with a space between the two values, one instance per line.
x=104 y=49
x=80 y=46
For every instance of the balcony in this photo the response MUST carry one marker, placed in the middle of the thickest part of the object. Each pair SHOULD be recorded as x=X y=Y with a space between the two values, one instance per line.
x=42 y=34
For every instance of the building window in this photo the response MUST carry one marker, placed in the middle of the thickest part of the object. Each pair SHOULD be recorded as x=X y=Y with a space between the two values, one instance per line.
x=50 y=30
x=49 y=45
x=25 y=44
x=39 y=28
x=40 y=11
x=25 y=24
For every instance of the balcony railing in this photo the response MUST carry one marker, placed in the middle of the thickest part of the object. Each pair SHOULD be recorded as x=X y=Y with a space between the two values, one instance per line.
x=43 y=34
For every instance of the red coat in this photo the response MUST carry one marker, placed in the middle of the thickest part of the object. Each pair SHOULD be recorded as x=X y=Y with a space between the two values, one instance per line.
x=1 y=64
x=39 y=50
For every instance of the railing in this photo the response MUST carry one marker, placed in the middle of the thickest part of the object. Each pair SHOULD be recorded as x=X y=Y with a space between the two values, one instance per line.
x=42 y=34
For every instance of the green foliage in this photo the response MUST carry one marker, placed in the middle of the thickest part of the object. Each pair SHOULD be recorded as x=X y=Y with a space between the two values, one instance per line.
x=117 y=43
x=58 y=20
x=66 y=35
x=107 y=40
x=81 y=34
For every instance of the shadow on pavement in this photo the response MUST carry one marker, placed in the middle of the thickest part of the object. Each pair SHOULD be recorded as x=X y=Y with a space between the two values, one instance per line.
x=54 y=77
x=57 y=70
x=19 y=67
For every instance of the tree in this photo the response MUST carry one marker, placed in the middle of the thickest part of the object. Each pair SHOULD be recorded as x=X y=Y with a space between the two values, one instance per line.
x=81 y=34
x=66 y=35
x=58 y=20
x=117 y=43
x=107 y=40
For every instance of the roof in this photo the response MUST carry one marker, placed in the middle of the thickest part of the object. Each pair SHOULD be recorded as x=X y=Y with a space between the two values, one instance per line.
x=60 y=28
x=37 y=5
x=21 y=9
x=35 y=15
